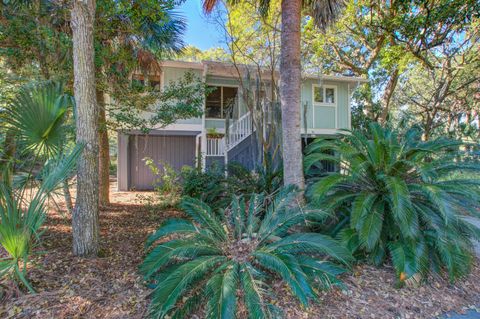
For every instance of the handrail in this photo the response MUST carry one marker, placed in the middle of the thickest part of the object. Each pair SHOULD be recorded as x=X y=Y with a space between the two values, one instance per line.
x=239 y=130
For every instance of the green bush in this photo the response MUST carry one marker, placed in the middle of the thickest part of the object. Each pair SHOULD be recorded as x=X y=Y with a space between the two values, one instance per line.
x=210 y=186
x=397 y=197
x=167 y=182
x=216 y=188
x=211 y=257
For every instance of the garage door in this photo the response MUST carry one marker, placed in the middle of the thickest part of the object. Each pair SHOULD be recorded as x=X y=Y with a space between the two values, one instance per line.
x=177 y=151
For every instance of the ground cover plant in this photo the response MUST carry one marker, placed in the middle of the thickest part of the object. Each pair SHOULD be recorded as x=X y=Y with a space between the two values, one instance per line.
x=398 y=198
x=223 y=263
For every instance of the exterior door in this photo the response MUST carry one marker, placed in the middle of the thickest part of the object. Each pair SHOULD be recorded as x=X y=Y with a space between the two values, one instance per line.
x=176 y=151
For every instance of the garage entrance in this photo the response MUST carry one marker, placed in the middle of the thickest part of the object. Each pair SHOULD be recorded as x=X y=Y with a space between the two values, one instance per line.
x=175 y=150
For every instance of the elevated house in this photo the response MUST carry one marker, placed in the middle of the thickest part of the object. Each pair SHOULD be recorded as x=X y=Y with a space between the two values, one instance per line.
x=225 y=131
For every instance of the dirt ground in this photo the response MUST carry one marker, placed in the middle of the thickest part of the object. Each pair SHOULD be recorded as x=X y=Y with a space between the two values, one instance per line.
x=110 y=287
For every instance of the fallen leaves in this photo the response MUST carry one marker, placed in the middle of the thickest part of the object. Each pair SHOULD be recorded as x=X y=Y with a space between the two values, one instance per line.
x=110 y=287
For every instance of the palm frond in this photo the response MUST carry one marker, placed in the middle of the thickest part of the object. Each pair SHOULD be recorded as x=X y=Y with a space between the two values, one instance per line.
x=213 y=259
x=405 y=198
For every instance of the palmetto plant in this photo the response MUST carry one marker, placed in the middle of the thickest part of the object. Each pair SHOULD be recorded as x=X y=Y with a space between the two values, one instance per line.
x=220 y=265
x=399 y=197
x=37 y=118
x=22 y=215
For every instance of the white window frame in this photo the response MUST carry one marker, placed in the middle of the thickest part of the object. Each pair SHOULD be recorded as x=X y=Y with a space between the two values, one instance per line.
x=221 y=99
x=325 y=104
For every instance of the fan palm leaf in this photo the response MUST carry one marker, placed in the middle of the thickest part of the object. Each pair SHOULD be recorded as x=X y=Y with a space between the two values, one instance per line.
x=37 y=116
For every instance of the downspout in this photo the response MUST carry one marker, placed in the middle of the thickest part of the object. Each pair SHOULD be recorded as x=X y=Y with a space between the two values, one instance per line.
x=203 y=149
x=349 y=106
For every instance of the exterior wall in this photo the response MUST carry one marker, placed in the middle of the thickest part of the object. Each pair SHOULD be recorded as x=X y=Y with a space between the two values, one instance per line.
x=170 y=74
x=318 y=117
x=214 y=160
x=177 y=148
x=122 y=162
x=244 y=153
x=326 y=117
x=176 y=151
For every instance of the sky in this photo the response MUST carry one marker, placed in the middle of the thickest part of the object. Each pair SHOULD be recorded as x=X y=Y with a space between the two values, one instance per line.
x=200 y=32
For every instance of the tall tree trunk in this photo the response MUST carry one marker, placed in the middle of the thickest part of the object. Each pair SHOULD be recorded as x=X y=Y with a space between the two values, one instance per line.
x=104 y=154
x=85 y=215
x=290 y=85
x=387 y=96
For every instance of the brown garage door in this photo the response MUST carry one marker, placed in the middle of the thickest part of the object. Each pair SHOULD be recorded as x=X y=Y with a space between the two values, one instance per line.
x=177 y=151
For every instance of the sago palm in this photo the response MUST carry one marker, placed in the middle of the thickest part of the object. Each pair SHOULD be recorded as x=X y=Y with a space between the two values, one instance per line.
x=401 y=198
x=218 y=265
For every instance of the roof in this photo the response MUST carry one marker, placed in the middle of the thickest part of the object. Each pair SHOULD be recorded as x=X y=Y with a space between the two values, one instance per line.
x=229 y=70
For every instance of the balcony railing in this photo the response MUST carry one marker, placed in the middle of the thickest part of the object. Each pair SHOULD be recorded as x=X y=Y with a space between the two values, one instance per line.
x=215 y=146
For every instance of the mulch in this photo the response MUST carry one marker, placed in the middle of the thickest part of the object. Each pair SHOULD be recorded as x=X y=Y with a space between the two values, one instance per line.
x=109 y=286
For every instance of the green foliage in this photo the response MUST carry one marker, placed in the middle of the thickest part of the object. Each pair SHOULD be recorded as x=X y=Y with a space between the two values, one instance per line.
x=266 y=178
x=22 y=216
x=37 y=116
x=216 y=188
x=166 y=183
x=397 y=197
x=210 y=258
x=180 y=99
x=385 y=41
x=211 y=186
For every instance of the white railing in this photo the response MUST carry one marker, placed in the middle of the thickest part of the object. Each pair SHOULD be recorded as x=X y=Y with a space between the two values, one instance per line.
x=215 y=146
x=239 y=130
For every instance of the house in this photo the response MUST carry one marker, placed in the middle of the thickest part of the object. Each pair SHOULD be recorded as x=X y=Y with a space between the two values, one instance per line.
x=202 y=141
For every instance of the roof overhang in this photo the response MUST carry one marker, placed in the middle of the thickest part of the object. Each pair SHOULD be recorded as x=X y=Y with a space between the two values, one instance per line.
x=224 y=69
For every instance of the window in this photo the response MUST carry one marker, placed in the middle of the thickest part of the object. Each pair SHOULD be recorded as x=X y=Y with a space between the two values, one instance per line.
x=330 y=95
x=219 y=101
x=324 y=94
x=138 y=83
x=318 y=94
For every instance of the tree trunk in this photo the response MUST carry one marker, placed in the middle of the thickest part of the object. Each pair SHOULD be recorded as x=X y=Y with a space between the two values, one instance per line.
x=85 y=215
x=104 y=154
x=290 y=85
x=387 y=96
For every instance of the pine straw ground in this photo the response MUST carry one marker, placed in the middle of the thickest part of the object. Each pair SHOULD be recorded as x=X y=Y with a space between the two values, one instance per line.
x=109 y=286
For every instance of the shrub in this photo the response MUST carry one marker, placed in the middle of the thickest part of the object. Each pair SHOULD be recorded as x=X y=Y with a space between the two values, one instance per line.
x=217 y=262
x=166 y=183
x=397 y=197
x=264 y=179
x=216 y=188
x=210 y=186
